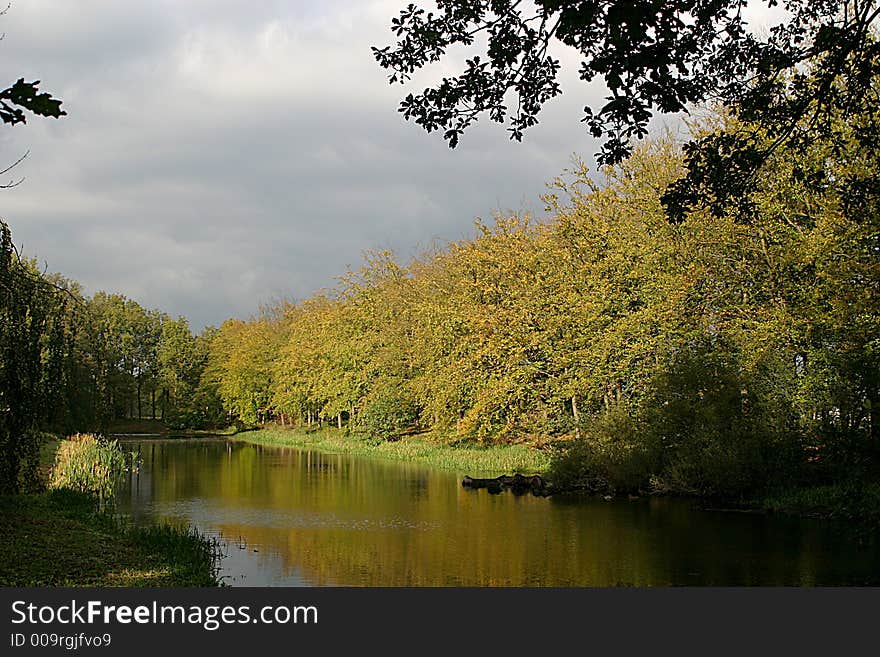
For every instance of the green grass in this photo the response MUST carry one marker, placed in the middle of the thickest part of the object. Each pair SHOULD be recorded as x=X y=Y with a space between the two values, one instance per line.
x=850 y=501
x=423 y=449
x=57 y=538
x=194 y=433
x=48 y=449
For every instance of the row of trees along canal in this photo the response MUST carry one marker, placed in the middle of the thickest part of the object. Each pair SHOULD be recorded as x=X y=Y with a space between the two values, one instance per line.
x=712 y=355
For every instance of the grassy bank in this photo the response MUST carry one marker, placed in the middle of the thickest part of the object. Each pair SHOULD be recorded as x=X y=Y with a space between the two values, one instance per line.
x=57 y=538
x=852 y=502
x=423 y=449
x=61 y=538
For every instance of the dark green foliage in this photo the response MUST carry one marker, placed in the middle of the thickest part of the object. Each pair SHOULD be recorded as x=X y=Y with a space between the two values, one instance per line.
x=720 y=430
x=653 y=57
x=35 y=339
x=854 y=500
x=194 y=417
x=21 y=96
x=389 y=411
x=613 y=456
x=706 y=428
x=29 y=462
x=33 y=347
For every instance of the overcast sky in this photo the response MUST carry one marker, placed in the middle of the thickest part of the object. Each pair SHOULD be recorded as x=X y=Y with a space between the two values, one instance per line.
x=219 y=154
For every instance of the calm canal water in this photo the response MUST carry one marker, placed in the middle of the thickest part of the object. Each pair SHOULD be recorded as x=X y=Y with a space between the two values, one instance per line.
x=296 y=518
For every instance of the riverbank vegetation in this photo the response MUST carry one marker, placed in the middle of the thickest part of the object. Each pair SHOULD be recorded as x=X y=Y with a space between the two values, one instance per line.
x=423 y=449
x=86 y=464
x=60 y=538
x=68 y=535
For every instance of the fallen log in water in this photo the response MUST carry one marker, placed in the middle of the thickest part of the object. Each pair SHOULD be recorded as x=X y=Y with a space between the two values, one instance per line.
x=518 y=483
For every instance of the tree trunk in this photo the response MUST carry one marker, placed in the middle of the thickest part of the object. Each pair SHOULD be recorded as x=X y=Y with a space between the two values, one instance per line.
x=339 y=420
x=153 y=401
x=139 y=400
x=577 y=416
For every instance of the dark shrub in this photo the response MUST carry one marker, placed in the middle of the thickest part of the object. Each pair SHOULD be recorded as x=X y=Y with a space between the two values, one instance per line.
x=389 y=410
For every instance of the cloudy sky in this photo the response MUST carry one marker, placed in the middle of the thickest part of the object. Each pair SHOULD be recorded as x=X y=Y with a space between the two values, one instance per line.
x=219 y=154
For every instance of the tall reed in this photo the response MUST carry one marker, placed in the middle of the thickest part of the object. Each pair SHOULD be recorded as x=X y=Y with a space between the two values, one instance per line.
x=91 y=464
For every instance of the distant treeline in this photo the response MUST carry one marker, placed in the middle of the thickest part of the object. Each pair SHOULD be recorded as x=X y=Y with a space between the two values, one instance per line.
x=723 y=354
x=70 y=364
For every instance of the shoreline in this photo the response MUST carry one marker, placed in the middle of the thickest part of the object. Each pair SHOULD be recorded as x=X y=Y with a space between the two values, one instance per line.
x=420 y=449
x=61 y=537
x=859 y=509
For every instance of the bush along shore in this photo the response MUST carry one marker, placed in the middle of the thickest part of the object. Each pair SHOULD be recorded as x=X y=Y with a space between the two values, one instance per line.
x=68 y=535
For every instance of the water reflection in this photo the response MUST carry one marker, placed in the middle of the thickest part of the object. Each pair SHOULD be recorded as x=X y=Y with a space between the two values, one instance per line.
x=293 y=518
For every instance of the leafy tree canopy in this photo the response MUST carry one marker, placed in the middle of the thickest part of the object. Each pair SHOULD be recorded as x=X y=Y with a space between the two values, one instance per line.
x=21 y=96
x=654 y=56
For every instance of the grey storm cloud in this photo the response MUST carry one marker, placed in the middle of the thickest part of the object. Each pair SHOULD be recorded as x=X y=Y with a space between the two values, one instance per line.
x=217 y=155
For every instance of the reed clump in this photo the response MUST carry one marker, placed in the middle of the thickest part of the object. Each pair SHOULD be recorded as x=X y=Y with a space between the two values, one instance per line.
x=91 y=464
